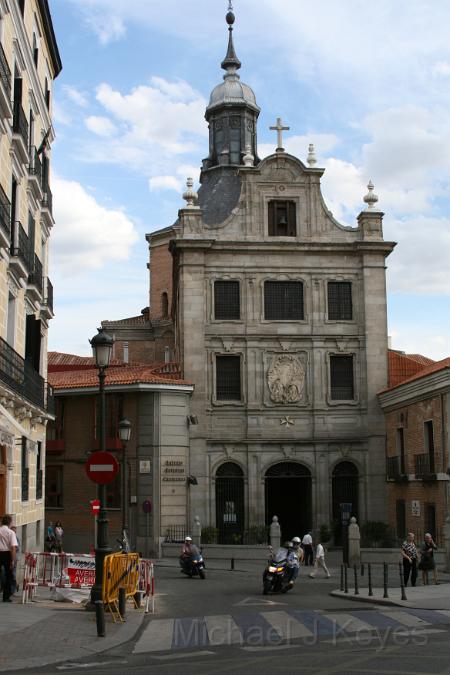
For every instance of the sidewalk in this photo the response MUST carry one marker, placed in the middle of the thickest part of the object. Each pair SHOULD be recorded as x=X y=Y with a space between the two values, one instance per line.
x=421 y=597
x=46 y=632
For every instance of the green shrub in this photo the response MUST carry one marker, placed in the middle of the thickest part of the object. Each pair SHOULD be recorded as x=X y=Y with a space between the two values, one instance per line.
x=209 y=535
x=325 y=534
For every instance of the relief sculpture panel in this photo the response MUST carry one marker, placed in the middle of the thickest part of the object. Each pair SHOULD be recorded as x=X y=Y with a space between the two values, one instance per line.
x=286 y=379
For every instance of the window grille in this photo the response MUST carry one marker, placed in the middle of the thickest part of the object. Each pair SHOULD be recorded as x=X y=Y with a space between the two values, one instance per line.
x=341 y=375
x=227 y=306
x=283 y=300
x=282 y=219
x=340 y=301
x=228 y=378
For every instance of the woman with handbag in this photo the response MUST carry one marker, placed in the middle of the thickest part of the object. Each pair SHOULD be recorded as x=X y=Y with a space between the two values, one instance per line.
x=427 y=562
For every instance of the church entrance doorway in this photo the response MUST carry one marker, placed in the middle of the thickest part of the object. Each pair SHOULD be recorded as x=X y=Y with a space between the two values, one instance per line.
x=345 y=489
x=2 y=479
x=288 y=496
x=230 y=511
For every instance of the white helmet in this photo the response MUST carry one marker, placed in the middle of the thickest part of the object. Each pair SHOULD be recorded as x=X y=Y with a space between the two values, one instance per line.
x=188 y=539
x=296 y=540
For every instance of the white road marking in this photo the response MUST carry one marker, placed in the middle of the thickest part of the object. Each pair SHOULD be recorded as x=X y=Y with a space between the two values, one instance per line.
x=405 y=619
x=286 y=626
x=157 y=637
x=222 y=630
x=348 y=622
x=253 y=602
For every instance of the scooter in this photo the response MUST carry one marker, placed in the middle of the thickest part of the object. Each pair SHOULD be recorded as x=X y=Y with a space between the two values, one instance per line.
x=275 y=577
x=193 y=566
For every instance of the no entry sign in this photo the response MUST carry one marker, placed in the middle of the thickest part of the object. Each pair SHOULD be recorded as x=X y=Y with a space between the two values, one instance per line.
x=95 y=506
x=102 y=467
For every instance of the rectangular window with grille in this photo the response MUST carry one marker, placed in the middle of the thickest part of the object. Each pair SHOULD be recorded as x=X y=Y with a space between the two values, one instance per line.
x=340 y=306
x=54 y=487
x=228 y=378
x=282 y=219
x=227 y=305
x=283 y=300
x=341 y=377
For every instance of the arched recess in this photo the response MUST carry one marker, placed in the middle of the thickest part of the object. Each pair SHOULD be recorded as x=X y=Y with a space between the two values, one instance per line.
x=345 y=490
x=288 y=496
x=164 y=305
x=230 y=506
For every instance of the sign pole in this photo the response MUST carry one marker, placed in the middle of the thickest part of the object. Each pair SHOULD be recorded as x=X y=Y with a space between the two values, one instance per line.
x=147 y=507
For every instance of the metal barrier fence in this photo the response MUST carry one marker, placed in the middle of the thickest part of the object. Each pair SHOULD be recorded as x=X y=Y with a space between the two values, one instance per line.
x=61 y=570
x=120 y=582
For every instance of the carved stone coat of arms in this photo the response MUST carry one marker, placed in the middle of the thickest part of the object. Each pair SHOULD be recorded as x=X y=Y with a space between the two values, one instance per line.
x=286 y=379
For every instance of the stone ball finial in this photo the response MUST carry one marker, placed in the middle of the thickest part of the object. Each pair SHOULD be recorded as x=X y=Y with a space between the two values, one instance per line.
x=190 y=195
x=371 y=198
x=312 y=160
x=275 y=519
x=353 y=520
x=248 y=158
x=230 y=18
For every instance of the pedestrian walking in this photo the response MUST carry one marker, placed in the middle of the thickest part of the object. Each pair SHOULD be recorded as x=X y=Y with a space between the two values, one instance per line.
x=50 y=539
x=307 y=543
x=14 y=585
x=320 y=561
x=427 y=562
x=409 y=559
x=59 y=533
x=8 y=551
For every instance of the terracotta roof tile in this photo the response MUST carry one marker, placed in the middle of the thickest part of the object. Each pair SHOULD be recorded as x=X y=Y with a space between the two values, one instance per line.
x=403 y=366
x=78 y=379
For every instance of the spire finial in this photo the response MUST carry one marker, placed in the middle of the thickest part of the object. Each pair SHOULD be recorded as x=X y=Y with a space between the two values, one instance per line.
x=371 y=198
x=190 y=196
x=231 y=62
x=311 y=155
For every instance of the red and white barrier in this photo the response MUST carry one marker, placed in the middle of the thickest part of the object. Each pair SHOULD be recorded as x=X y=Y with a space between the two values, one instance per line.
x=61 y=570
x=147 y=583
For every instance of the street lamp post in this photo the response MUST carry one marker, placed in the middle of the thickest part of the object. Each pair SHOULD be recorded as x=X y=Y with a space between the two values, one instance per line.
x=102 y=345
x=125 y=435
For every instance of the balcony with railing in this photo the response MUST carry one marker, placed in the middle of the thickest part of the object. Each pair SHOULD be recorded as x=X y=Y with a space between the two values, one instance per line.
x=20 y=250
x=5 y=84
x=47 y=304
x=5 y=219
x=20 y=132
x=35 y=173
x=20 y=376
x=35 y=279
x=424 y=468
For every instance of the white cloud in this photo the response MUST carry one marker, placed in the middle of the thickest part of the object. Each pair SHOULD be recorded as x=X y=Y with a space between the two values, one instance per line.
x=101 y=126
x=76 y=96
x=88 y=236
x=297 y=145
x=165 y=183
x=441 y=69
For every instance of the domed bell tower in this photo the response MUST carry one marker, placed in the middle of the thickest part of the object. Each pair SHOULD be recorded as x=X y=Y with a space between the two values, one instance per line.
x=232 y=114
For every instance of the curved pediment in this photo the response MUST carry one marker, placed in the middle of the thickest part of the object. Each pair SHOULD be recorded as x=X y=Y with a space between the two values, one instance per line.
x=282 y=167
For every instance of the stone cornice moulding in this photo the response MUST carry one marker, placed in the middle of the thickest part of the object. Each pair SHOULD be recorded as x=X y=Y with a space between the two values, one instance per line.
x=411 y=392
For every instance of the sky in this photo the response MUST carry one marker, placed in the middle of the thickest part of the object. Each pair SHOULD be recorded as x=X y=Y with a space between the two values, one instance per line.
x=367 y=83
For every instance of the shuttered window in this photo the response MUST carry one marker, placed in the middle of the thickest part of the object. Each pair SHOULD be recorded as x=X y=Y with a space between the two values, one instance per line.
x=227 y=306
x=282 y=219
x=228 y=378
x=340 y=305
x=283 y=300
x=341 y=376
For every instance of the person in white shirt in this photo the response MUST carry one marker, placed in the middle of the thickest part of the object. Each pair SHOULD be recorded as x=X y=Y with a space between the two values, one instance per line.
x=307 y=544
x=320 y=562
x=8 y=551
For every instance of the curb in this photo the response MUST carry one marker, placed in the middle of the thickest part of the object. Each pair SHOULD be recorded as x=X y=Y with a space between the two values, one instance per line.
x=366 y=598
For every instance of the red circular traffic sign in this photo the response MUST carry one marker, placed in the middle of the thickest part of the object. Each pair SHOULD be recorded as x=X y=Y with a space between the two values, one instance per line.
x=95 y=506
x=102 y=467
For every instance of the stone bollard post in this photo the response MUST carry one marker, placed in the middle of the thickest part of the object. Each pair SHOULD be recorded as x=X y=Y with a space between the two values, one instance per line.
x=197 y=532
x=354 y=543
x=447 y=543
x=275 y=534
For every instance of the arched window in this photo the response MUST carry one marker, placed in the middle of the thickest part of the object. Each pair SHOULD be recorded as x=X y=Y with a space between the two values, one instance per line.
x=230 y=518
x=164 y=305
x=288 y=496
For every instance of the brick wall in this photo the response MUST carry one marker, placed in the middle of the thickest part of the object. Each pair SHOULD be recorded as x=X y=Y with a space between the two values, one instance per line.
x=160 y=280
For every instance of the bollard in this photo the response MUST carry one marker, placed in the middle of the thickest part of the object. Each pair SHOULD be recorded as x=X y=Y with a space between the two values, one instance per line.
x=369 y=573
x=345 y=579
x=402 y=581
x=232 y=564
x=355 y=574
x=122 y=602
x=342 y=578
x=385 y=580
x=362 y=569
x=100 y=618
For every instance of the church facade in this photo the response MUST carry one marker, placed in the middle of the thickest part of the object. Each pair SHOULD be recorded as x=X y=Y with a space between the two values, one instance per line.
x=278 y=314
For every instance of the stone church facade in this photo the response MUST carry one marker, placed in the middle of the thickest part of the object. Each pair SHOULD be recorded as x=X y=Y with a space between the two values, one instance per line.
x=279 y=319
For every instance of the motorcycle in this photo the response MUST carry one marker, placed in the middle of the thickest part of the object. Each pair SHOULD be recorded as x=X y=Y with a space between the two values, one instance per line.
x=276 y=577
x=193 y=566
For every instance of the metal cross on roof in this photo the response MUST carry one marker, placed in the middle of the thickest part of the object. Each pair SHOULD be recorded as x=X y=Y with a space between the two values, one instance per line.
x=279 y=128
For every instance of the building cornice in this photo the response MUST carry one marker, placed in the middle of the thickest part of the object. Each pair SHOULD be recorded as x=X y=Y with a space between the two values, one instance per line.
x=136 y=387
x=433 y=384
x=50 y=36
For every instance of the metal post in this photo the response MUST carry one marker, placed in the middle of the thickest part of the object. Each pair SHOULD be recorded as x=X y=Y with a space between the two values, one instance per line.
x=385 y=580
x=102 y=545
x=342 y=578
x=122 y=602
x=369 y=572
x=125 y=500
x=355 y=574
x=232 y=564
x=402 y=581
x=345 y=579
x=362 y=569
